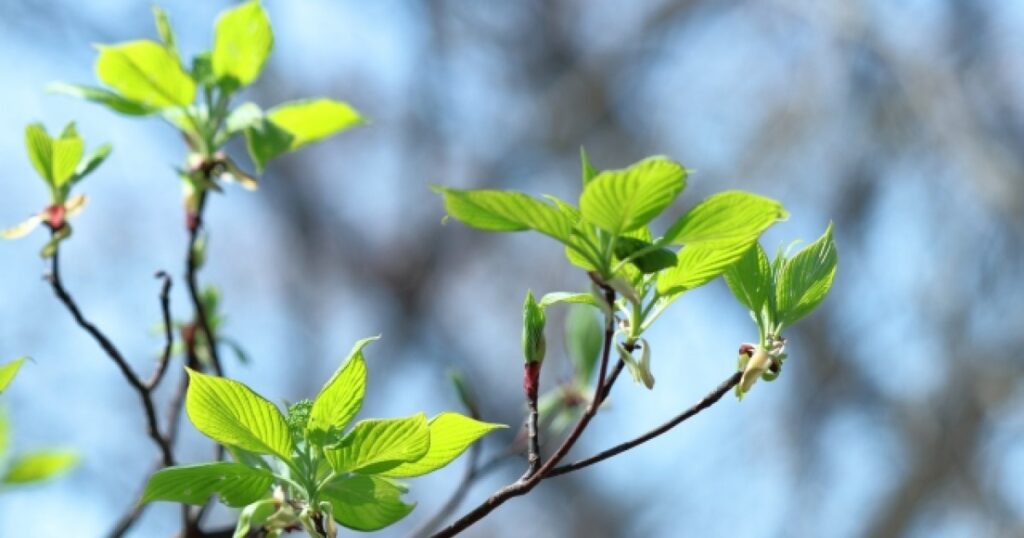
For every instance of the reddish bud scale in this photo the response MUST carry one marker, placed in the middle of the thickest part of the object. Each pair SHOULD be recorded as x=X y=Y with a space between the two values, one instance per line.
x=531 y=379
x=55 y=216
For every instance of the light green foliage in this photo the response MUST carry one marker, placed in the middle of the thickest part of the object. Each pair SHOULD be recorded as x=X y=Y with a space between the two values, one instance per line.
x=341 y=398
x=619 y=201
x=533 y=341
x=290 y=126
x=54 y=159
x=751 y=280
x=366 y=503
x=505 y=211
x=314 y=468
x=806 y=278
x=103 y=96
x=7 y=372
x=450 y=435
x=145 y=72
x=232 y=414
x=376 y=445
x=235 y=483
x=241 y=44
x=163 y=29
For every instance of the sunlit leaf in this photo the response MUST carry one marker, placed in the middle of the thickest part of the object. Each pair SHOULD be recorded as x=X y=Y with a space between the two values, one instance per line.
x=622 y=200
x=377 y=445
x=37 y=466
x=235 y=483
x=806 y=278
x=232 y=414
x=366 y=503
x=241 y=44
x=341 y=397
x=450 y=435
x=145 y=72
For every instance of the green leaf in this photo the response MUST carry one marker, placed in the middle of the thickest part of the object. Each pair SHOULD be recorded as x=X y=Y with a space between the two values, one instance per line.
x=290 y=126
x=242 y=41
x=38 y=466
x=750 y=279
x=5 y=434
x=237 y=484
x=730 y=216
x=622 y=200
x=145 y=72
x=67 y=153
x=104 y=97
x=341 y=397
x=806 y=278
x=92 y=161
x=643 y=254
x=699 y=264
x=232 y=414
x=202 y=69
x=583 y=339
x=163 y=28
x=255 y=514
x=40 y=150
x=377 y=445
x=567 y=297
x=450 y=435
x=7 y=372
x=505 y=211
x=366 y=503
x=587 y=170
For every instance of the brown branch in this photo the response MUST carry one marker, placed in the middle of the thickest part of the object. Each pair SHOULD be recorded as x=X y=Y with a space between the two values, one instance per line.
x=145 y=394
x=527 y=483
x=165 y=308
x=703 y=404
x=195 y=226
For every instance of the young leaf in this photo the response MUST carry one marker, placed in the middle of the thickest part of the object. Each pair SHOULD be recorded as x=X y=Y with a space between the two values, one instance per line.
x=583 y=339
x=38 y=466
x=104 y=97
x=450 y=436
x=533 y=341
x=7 y=372
x=237 y=484
x=341 y=398
x=622 y=200
x=651 y=260
x=290 y=126
x=5 y=434
x=163 y=29
x=40 y=150
x=67 y=153
x=374 y=446
x=241 y=44
x=505 y=211
x=232 y=414
x=750 y=278
x=731 y=216
x=566 y=297
x=699 y=264
x=92 y=161
x=145 y=72
x=587 y=170
x=806 y=278
x=366 y=503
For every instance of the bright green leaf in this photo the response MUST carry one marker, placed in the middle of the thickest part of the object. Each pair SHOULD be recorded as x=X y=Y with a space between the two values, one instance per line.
x=366 y=503
x=40 y=150
x=237 y=484
x=750 y=279
x=5 y=434
x=145 y=72
x=505 y=211
x=232 y=414
x=163 y=29
x=92 y=161
x=377 y=445
x=292 y=125
x=567 y=297
x=727 y=216
x=806 y=278
x=341 y=397
x=643 y=255
x=450 y=435
x=7 y=372
x=587 y=170
x=699 y=264
x=105 y=97
x=622 y=200
x=241 y=44
x=67 y=153
x=38 y=466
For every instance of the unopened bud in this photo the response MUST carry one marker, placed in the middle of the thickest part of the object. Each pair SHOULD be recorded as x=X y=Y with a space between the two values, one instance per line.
x=534 y=344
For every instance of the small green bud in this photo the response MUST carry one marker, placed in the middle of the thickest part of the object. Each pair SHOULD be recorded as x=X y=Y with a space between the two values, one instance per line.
x=298 y=416
x=534 y=345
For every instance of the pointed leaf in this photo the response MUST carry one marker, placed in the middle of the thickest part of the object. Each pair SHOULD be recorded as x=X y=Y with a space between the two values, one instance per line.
x=377 y=445
x=241 y=44
x=237 y=484
x=7 y=372
x=450 y=435
x=40 y=150
x=587 y=170
x=622 y=200
x=750 y=279
x=292 y=125
x=38 y=466
x=145 y=72
x=67 y=153
x=806 y=278
x=232 y=414
x=699 y=264
x=104 y=97
x=505 y=211
x=366 y=503
x=567 y=297
x=92 y=161
x=341 y=397
x=163 y=29
x=727 y=216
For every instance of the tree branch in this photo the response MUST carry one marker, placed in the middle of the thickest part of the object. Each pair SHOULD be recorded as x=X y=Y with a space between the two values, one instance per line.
x=192 y=263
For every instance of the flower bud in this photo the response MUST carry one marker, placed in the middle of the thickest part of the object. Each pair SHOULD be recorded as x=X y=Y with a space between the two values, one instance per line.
x=534 y=345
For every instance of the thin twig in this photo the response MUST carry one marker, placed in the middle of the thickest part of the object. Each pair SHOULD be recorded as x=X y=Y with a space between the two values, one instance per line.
x=145 y=394
x=165 y=308
x=191 y=277
x=525 y=485
x=703 y=404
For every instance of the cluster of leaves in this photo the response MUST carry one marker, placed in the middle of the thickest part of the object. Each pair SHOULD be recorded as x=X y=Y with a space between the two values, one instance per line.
x=317 y=473
x=61 y=163
x=146 y=77
x=608 y=235
x=29 y=467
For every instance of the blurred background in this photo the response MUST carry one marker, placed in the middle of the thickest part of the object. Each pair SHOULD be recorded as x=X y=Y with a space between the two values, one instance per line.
x=898 y=414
